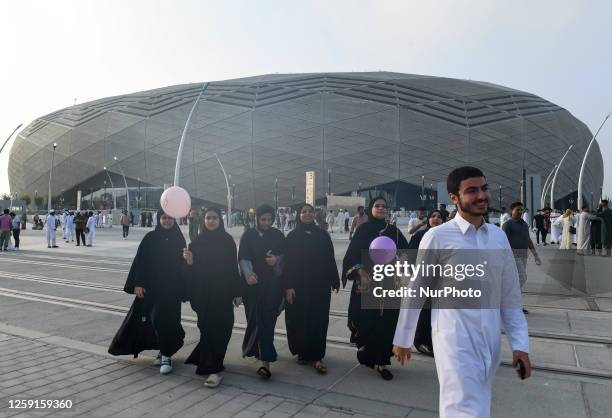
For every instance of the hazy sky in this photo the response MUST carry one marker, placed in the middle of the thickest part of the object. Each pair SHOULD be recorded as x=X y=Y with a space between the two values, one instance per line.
x=56 y=51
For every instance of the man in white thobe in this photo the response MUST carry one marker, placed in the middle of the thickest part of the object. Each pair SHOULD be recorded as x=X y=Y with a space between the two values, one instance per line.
x=467 y=341
x=51 y=227
x=583 y=230
x=92 y=221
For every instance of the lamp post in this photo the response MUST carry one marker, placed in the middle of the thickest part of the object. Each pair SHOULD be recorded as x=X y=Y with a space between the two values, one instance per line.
x=105 y=204
x=545 y=188
x=229 y=192
x=35 y=198
x=586 y=154
x=138 y=200
x=275 y=196
x=554 y=180
x=91 y=197
x=113 y=187
x=127 y=192
x=329 y=181
x=500 y=197
x=50 y=178
x=422 y=190
x=9 y=137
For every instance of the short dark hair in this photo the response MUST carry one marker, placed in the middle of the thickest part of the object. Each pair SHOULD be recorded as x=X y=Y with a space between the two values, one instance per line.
x=360 y=207
x=503 y=208
x=515 y=205
x=585 y=206
x=422 y=209
x=454 y=179
x=6 y=211
x=604 y=201
x=442 y=205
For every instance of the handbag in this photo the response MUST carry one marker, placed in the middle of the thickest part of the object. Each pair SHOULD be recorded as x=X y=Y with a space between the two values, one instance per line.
x=572 y=230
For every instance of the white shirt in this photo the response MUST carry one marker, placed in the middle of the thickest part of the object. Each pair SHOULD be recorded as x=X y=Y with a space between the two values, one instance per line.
x=461 y=234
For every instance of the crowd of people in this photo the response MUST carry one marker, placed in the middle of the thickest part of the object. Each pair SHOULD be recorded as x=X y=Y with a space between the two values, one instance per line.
x=269 y=272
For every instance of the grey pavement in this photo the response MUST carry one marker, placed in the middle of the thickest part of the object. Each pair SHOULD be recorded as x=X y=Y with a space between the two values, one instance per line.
x=59 y=309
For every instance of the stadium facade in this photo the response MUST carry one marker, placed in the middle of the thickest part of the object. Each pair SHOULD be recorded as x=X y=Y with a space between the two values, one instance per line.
x=380 y=131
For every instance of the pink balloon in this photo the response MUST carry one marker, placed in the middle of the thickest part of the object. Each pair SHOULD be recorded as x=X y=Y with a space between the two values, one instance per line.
x=382 y=250
x=175 y=201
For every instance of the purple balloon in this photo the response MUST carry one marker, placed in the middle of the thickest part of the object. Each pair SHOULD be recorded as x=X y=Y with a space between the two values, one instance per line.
x=383 y=250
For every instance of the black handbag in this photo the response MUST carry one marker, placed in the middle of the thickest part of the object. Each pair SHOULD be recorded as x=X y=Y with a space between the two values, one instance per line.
x=572 y=230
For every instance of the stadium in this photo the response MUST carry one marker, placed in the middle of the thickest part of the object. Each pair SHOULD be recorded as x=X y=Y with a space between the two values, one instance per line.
x=379 y=132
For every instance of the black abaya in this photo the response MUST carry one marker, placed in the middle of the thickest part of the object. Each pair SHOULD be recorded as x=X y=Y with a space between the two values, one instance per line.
x=215 y=282
x=372 y=330
x=310 y=269
x=262 y=301
x=159 y=268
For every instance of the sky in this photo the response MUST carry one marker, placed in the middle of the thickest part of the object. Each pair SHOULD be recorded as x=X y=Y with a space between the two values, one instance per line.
x=57 y=51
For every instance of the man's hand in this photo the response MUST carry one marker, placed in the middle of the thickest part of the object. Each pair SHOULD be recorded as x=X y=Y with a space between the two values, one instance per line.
x=139 y=292
x=402 y=354
x=251 y=280
x=537 y=260
x=524 y=357
x=290 y=296
x=188 y=256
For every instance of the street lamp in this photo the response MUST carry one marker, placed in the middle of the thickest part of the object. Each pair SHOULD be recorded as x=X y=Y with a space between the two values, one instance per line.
x=138 y=200
x=329 y=181
x=127 y=192
x=545 y=188
x=554 y=180
x=275 y=195
x=586 y=154
x=9 y=137
x=105 y=203
x=50 y=178
x=113 y=187
x=91 y=197
x=500 y=197
x=422 y=190
x=229 y=193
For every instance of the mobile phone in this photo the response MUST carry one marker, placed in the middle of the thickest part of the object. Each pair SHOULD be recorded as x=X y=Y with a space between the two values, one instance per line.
x=520 y=369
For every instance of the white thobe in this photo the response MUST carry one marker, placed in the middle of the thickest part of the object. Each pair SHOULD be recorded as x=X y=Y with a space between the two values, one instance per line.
x=51 y=239
x=584 y=230
x=467 y=341
x=68 y=228
x=525 y=217
x=91 y=225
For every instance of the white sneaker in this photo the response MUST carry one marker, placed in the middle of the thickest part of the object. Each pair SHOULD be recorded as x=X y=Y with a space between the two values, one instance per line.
x=166 y=365
x=158 y=360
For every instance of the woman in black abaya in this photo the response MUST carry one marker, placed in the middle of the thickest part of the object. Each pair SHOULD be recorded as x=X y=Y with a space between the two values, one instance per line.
x=372 y=330
x=309 y=274
x=156 y=278
x=261 y=257
x=422 y=338
x=214 y=284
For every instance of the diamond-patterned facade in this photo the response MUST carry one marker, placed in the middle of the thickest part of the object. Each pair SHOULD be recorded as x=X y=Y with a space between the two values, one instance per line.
x=367 y=128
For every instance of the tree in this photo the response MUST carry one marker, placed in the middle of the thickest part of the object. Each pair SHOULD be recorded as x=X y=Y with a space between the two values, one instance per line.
x=38 y=201
x=5 y=196
x=26 y=198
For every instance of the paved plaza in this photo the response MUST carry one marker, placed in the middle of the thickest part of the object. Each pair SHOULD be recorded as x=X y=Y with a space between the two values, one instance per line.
x=59 y=309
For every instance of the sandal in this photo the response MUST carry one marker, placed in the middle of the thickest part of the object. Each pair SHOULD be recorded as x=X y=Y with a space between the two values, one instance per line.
x=264 y=372
x=384 y=373
x=320 y=367
x=213 y=381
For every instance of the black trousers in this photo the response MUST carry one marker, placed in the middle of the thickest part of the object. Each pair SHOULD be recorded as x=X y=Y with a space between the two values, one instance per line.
x=16 y=233
x=80 y=233
x=126 y=230
x=543 y=232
